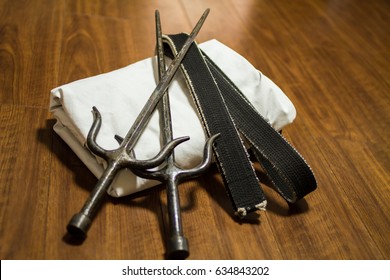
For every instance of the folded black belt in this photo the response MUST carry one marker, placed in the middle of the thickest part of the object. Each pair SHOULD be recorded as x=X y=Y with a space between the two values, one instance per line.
x=224 y=109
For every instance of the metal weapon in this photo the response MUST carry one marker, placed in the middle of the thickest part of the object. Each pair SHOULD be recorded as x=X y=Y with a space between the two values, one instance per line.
x=123 y=157
x=170 y=173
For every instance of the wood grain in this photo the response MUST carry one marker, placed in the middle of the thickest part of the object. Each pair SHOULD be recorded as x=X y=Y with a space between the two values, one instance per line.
x=329 y=57
x=24 y=181
x=30 y=46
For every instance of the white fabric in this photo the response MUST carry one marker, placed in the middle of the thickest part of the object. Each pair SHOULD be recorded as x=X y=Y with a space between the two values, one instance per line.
x=121 y=94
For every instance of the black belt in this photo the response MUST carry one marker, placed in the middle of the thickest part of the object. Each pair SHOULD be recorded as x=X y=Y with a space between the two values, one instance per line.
x=225 y=110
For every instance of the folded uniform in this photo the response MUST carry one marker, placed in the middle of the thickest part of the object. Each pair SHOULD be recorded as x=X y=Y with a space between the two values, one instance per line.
x=121 y=94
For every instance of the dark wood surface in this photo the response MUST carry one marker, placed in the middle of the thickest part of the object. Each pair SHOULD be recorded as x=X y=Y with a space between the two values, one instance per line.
x=331 y=58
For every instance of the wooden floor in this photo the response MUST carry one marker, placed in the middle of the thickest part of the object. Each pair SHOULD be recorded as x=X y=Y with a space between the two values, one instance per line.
x=331 y=58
